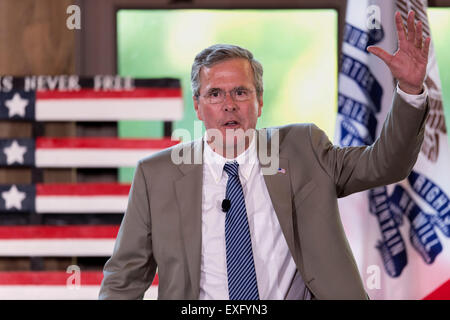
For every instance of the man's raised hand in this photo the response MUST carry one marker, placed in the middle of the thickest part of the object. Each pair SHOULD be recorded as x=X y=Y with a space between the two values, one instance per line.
x=409 y=64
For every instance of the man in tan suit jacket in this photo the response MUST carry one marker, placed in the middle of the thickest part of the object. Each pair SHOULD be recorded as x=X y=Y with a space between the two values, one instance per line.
x=162 y=224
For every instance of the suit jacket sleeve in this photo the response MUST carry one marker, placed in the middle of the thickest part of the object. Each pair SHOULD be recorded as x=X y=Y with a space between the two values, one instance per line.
x=131 y=269
x=389 y=159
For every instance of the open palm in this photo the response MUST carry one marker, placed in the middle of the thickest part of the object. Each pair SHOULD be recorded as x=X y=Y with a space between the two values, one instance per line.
x=409 y=64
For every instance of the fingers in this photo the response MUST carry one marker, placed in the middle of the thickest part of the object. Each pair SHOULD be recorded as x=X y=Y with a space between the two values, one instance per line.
x=418 y=40
x=400 y=28
x=426 y=47
x=414 y=33
x=411 y=27
x=380 y=53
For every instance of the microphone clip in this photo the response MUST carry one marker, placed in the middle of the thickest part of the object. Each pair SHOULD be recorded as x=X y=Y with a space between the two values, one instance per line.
x=226 y=204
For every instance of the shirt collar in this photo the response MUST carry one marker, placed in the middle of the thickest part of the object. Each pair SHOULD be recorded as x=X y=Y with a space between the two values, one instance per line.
x=215 y=161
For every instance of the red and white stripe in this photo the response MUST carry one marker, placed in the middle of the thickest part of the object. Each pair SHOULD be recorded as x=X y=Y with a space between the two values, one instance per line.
x=164 y=104
x=82 y=198
x=58 y=241
x=56 y=285
x=104 y=152
x=440 y=293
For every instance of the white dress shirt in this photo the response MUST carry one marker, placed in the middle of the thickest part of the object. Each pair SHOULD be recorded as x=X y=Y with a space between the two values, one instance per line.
x=276 y=272
x=416 y=101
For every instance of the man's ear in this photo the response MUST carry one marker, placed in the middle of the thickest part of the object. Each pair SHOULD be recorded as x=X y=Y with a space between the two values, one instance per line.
x=260 y=104
x=196 y=107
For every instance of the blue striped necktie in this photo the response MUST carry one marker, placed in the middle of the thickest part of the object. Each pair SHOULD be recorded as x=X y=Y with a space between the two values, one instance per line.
x=242 y=283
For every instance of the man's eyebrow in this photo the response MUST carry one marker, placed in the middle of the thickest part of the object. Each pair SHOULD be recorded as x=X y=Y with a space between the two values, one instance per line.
x=210 y=90
x=214 y=90
x=241 y=88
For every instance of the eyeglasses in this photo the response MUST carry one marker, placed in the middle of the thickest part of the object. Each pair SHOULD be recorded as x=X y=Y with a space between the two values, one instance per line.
x=218 y=95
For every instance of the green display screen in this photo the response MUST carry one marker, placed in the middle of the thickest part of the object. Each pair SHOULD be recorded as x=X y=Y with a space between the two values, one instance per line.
x=297 y=48
x=439 y=19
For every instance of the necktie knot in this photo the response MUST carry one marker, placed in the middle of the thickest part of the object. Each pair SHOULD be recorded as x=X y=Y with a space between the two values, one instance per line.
x=231 y=168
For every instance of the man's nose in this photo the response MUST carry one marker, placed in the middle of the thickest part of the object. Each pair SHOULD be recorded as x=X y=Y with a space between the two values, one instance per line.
x=229 y=104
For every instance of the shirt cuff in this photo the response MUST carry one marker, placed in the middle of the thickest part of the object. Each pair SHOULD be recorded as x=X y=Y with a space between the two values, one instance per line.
x=416 y=100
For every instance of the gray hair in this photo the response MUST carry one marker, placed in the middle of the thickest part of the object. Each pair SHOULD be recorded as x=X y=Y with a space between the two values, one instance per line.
x=221 y=52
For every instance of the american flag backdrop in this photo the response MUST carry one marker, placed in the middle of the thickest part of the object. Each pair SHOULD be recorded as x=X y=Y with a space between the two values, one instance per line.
x=42 y=219
x=99 y=98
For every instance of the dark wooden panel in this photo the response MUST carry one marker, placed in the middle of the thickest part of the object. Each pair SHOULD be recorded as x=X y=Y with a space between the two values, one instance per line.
x=59 y=129
x=14 y=264
x=35 y=41
x=439 y=3
x=36 y=38
x=56 y=175
x=96 y=43
x=10 y=129
x=15 y=175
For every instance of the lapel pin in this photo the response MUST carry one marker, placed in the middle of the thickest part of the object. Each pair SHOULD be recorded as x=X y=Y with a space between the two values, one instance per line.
x=281 y=170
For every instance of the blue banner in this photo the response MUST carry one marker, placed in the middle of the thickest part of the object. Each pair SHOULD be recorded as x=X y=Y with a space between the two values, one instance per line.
x=361 y=39
x=391 y=247
x=432 y=194
x=360 y=113
x=360 y=73
x=421 y=234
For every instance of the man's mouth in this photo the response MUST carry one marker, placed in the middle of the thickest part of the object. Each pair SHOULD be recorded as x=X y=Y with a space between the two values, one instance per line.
x=231 y=124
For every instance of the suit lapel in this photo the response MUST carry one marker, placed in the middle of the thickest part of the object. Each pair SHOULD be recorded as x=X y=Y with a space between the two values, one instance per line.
x=189 y=197
x=279 y=188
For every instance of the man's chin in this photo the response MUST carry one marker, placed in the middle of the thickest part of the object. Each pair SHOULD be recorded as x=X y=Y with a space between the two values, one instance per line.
x=236 y=140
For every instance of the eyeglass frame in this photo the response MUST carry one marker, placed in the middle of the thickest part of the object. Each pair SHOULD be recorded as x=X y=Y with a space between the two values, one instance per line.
x=231 y=92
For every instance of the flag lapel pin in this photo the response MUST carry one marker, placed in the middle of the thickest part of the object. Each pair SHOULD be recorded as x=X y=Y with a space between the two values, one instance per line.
x=281 y=170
